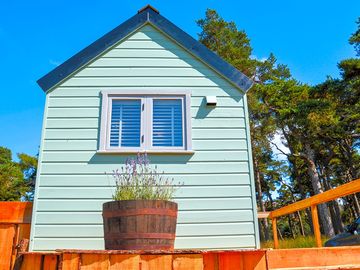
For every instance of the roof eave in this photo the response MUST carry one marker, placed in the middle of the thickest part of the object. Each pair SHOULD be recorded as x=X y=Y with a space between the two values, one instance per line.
x=83 y=57
x=201 y=51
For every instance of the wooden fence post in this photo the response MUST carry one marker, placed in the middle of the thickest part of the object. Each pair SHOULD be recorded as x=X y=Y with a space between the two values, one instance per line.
x=7 y=235
x=275 y=234
x=15 y=218
x=315 y=220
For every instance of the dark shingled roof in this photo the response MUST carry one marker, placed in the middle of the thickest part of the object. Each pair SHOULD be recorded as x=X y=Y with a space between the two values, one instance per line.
x=145 y=15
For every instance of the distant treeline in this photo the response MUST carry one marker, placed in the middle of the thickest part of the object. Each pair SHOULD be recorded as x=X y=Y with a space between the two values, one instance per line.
x=17 y=179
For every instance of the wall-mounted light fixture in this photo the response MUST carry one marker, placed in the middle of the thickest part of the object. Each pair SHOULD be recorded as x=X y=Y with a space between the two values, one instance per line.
x=211 y=100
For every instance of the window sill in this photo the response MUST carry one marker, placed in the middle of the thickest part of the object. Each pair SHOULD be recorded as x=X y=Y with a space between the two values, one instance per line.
x=160 y=152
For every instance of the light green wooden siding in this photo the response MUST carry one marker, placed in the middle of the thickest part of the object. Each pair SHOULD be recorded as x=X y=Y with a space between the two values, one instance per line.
x=216 y=202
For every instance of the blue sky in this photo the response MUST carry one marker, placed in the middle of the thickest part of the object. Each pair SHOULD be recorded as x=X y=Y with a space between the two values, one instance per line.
x=35 y=36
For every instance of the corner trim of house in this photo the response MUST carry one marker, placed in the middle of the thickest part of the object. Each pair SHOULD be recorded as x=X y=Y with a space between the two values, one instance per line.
x=251 y=173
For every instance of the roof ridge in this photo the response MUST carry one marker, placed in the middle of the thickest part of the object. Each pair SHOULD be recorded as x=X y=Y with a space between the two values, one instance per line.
x=148 y=6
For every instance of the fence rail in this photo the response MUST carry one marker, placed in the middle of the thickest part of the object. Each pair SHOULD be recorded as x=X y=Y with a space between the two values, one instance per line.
x=312 y=202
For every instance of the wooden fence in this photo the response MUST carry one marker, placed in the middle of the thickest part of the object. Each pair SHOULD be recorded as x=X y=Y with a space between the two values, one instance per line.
x=276 y=259
x=128 y=260
x=15 y=219
x=312 y=202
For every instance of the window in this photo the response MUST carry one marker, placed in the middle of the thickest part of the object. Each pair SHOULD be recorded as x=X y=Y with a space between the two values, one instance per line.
x=125 y=123
x=167 y=126
x=155 y=122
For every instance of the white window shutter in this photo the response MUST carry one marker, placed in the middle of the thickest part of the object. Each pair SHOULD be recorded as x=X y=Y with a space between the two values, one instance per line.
x=167 y=124
x=125 y=128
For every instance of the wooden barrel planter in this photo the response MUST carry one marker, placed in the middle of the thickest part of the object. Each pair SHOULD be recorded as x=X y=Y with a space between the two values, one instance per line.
x=139 y=225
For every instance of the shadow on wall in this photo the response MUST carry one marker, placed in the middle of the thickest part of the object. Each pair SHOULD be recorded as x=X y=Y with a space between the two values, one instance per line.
x=204 y=110
x=154 y=159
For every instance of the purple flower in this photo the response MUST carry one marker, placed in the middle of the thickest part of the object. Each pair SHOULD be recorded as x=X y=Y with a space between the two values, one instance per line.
x=139 y=180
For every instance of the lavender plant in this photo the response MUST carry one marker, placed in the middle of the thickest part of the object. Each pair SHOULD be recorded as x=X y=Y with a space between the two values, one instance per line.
x=137 y=180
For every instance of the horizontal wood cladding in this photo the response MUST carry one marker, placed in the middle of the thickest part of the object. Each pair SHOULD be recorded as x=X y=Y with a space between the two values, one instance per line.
x=81 y=96
x=95 y=112
x=146 y=53
x=92 y=133
x=106 y=192
x=198 y=156
x=54 y=218
x=215 y=203
x=204 y=242
x=184 y=204
x=143 y=81
x=182 y=230
x=92 y=145
x=148 y=44
x=205 y=179
x=94 y=123
x=196 y=168
x=129 y=72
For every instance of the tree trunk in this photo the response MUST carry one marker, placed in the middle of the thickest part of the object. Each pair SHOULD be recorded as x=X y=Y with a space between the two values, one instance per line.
x=338 y=214
x=324 y=213
x=352 y=210
x=302 y=231
x=293 y=200
x=307 y=210
x=263 y=221
x=352 y=173
x=335 y=215
x=310 y=221
x=349 y=153
x=356 y=204
x=291 y=227
x=261 y=231
x=268 y=194
x=301 y=187
x=266 y=229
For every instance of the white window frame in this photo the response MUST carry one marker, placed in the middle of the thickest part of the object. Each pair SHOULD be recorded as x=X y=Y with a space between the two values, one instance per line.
x=150 y=103
x=108 y=128
x=146 y=98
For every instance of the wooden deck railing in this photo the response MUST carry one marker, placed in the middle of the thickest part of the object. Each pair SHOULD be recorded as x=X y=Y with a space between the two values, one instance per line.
x=312 y=202
x=15 y=219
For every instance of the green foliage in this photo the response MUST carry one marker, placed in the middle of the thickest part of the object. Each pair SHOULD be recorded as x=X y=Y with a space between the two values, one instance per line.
x=318 y=124
x=298 y=242
x=137 y=180
x=226 y=40
x=16 y=178
x=355 y=38
x=28 y=165
x=350 y=69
